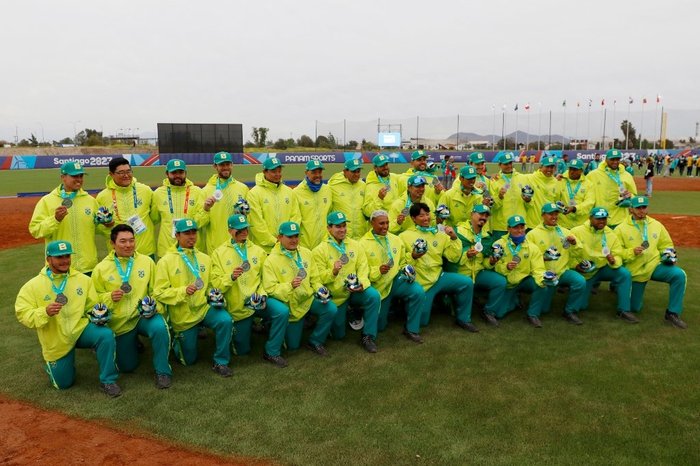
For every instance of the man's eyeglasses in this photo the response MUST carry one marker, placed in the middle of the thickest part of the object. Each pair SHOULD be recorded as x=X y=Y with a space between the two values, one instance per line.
x=123 y=172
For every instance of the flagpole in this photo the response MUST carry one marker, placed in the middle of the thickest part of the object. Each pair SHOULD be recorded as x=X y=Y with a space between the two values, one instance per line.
x=641 y=126
x=656 y=114
x=539 y=125
x=605 y=117
x=493 y=129
x=588 y=124
x=627 y=129
x=503 y=128
x=527 y=135
x=578 y=106
x=563 y=136
x=516 y=127
x=457 y=131
x=613 y=122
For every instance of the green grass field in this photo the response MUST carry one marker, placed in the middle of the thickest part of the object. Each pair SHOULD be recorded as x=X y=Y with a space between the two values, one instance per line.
x=603 y=393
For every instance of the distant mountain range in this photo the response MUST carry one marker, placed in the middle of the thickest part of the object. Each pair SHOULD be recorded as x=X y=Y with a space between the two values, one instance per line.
x=522 y=137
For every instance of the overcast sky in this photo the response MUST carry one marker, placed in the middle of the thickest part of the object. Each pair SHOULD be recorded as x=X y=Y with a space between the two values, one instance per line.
x=285 y=65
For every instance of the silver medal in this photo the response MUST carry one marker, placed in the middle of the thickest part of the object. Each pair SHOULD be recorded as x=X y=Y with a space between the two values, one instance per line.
x=404 y=212
x=67 y=203
x=622 y=190
x=516 y=259
x=245 y=265
x=301 y=273
x=572 y=203
x=390 y=263
x=218 y=194
x=61 y=299
x=199 y=283
x=344 y=259
x=507 y=186
x=606 y=251
x=645 y=244
x=479 y=246
x=565 y=243
x=126 y=287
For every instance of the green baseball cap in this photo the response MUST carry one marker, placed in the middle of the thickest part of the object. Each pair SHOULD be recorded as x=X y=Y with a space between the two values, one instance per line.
x=72 y=169
x=174 y=165
x=417 y=180
x=639 y=201
x=599 y=212
x=481 y=209
x=380 y=160
x=548 y=161
x=271 y=163
x=238 y=222
x=516 y=220
x=185 y=224
x=576 y=164
x=613 y=154
x=354 y=164
x=550 y=207
x=59 y=248
x=289 y=229
x=336 y=218
x=314 y=165
x=418 y=154
x=506 y=158
x=221 y=157
x=467 y=173
x=477 y=157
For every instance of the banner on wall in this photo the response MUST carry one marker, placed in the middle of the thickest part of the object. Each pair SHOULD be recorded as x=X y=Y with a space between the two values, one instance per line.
x=24 y=162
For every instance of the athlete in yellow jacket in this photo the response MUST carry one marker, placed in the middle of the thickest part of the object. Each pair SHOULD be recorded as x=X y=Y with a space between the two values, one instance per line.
x=348 y=195
x=579 y=197
x=55 y=303
x=314 y=199
x=399 y=212
x=613 y=187
x=382 y=187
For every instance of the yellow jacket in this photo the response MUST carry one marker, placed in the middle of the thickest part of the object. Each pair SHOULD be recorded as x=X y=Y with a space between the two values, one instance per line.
x=583 y=195
x=325 y=255
x=314 y=208
x=78 y=226
x=172 y=278
x=460 y=204
x=400 y=204
x=498 y=217
x=223 y=261
x=592 y=243
x=377 y=256
x=161 y=211
x=432 y=180
x=607 y=192
x=270 y=205
x=122 y=202
x=471 y=266
x=547 y=189
x=106 y=278
x=531 y=263
x=642 y=266
x=543 y=237
x=57 y=334
x=372 y=201
x=278 y=273
x=216 y=232
x=347 y=198
x=429 y=266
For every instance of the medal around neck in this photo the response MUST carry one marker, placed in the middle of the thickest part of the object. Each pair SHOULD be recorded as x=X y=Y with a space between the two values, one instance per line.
x=606 y=251
x=218 y=195
x=516 y=259
x=344 y=259
x=126 y=287
x=479 y=246
x=199 y=283
x=245 y=265
x=67 y=203
x=645 y=244
x=390 y=262
x=301 y=273
x=61 y=299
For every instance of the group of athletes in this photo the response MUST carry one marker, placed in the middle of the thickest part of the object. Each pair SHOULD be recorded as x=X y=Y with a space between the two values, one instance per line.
x=327 y=255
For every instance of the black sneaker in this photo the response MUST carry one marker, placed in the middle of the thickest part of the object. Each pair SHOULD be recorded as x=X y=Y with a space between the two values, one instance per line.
x=675 y=320
x=278 y=361
x=222 y=369
x=628 y=317
x=111 y=389
x=573 y=318
x=468 y=326
x=368 y=344
x=318 y=349
x=534 y=321
x=490 y=319
x=163 y=381
x=414 y=337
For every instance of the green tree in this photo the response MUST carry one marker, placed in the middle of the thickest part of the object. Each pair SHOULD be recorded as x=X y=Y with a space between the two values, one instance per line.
x=291 y=143
x=280 y=144
x=633 y=141
x=259 y=136
x=510 y=143
x=369 y=146
x=305 y=141
x=323 y=142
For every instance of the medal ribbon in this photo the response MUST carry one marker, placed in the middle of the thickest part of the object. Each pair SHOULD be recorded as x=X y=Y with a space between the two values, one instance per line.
x=340 y=248
x=477 y=236
x=513 y=251
x=432 y=230
x=243 y=253
x=64 y=195
x=297 y=261
x=222 y=186
x=560 y=233
x=125 y=275
x=385 y=181
x=187 y=199
x=604 y=241
x=645 y=237
x=387 y=249
x=573 y=192
x=505 y=177
x=193 y=268
x=60 y=288
x=114 y=200
x=615 y=177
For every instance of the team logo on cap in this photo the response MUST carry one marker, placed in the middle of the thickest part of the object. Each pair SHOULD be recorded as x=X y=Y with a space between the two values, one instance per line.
x=293 y=227
x=517 y=218
x=188 y=223
x=176 y=163
x=62 y=246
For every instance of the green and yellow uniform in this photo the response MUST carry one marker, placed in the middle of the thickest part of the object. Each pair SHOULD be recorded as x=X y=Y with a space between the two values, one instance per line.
x=313 y=209
x=171 y=203
x=216 y=232
x=347 y=197
x=270 y=205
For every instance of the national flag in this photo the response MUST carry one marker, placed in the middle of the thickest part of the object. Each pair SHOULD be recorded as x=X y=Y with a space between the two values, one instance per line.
x=631 y=101
x=516 y=108
x=563 y=104
x=644 y=100
x=527 y=106
x=602 y=103
x=658 y=98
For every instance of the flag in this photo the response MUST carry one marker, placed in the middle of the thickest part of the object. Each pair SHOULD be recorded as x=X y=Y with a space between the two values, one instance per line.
x=615 y=102
x=658 y=98
x=516 y=108
x=631 y=101
x=590 y=102
x=563 y=104
x=602 y=103
x=644 y=100
x=527 y=106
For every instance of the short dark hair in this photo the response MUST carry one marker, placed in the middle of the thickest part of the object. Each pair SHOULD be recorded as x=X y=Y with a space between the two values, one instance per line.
x=118 y=229
x=416 y=209
x=117 y=162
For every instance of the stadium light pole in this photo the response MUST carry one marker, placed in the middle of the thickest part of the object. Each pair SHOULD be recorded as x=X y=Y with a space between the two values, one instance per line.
x=42 y=131
x=75 y=132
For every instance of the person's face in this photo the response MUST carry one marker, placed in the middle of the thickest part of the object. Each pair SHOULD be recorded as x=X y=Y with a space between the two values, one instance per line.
x=289 y=243
x=575 y=173
x=480 y=168
x=177 y=177
x=547 y=171
x=467 y=184
x=382 y=171
x=416 y=192
x=59 y=264
x=239 y=236
x=315 y=176
x=72 y=183
x=517 y=230
x=122 y=175
x=422 y=219
x=599 y=223
x=186 y=239
x=338 y=232
x=506 y=167
x=613 y=163
x=420 y=164
x=639 y=213
x=380 y=225
x=224 y=170
x=352 y=176
x=273 y=176
x=479 y=219
x=550 y=219
x=124 y=244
